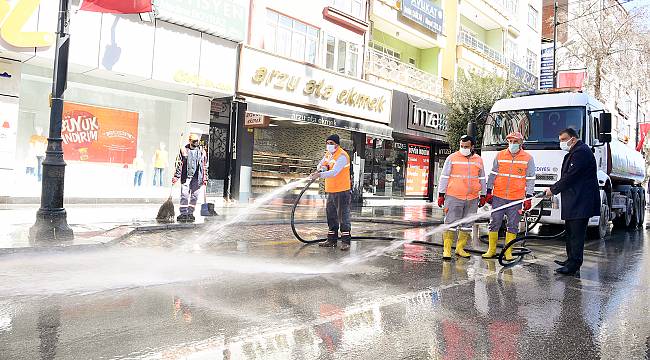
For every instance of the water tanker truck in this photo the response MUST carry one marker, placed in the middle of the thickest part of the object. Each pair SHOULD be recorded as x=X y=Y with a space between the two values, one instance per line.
x=540 y=117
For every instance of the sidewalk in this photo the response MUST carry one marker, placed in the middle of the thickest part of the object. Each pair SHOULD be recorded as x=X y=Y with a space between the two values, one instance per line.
x=104 y=224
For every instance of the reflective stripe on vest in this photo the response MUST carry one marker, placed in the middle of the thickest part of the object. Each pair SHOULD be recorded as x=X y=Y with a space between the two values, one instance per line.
x=510 y=180
x=340 y=182
x=464 y=180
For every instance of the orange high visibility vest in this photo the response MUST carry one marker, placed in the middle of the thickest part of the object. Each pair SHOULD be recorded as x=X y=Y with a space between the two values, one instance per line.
x=464 y=182
x=510 y=180
x=340 y=182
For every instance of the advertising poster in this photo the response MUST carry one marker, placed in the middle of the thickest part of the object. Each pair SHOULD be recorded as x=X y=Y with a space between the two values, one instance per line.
x=96 y=134
x=417 y=170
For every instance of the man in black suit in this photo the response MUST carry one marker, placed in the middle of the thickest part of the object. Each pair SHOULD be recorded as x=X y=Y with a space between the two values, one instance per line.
x=580 y=195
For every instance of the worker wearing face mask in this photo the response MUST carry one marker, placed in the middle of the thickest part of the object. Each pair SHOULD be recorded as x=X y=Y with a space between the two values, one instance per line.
x=461 y=190
x=335 y=169
x=512 y=179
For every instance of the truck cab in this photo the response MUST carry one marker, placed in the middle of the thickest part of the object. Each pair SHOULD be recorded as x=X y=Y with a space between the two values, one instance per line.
x=540 y=117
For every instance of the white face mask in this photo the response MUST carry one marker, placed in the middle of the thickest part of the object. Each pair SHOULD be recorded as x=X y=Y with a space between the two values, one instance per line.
x=514 y=148
x=564 y=145
x=331 y=148
x=465 y=152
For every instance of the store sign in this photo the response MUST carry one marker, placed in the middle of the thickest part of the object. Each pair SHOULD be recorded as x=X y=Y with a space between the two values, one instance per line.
x=183 y=77
x=417 y=170
x=225 y=18
x=546 y=67
x=426 y=120
x=96 y=134
x=423 y=12
x=253 y=120
x=529 y=80
x=14 y=19
x=269 y=76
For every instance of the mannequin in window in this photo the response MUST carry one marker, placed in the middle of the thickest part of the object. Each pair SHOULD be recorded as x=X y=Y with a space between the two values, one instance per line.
x=38 y=144
x=160 y=162
x=138 y=166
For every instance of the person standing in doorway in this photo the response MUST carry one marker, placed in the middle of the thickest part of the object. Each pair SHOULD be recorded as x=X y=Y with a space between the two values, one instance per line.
x=191 y=170
x=160 y=159
x=580 y=197
x=461 y=191
x=335 y=169
x=512 y=179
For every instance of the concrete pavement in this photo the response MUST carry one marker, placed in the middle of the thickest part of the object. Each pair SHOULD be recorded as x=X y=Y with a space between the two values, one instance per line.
x=255 y=293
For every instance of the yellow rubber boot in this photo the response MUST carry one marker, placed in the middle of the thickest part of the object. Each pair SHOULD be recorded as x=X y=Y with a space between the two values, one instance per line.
x=509 y=238
x=463 y=236
x=493 y=237
x=447 y=240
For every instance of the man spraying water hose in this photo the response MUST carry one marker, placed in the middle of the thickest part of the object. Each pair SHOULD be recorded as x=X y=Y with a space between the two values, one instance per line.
x=512 y=179
x=335 y=169
x=461 y=190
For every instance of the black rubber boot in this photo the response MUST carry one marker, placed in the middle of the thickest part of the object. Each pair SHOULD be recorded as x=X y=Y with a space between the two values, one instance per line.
x=332 y=238
x=191 y=218
x=345 y=241
x=182 y=218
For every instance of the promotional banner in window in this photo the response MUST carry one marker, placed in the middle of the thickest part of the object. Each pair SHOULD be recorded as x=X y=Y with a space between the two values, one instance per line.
x=417 y=170
x=96 y=134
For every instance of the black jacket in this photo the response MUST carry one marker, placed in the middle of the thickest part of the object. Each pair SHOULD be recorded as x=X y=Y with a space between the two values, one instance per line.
x=578 y=185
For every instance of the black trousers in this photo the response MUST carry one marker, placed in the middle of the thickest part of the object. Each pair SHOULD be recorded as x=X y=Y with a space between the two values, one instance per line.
x=576 y=233
x=338 y=215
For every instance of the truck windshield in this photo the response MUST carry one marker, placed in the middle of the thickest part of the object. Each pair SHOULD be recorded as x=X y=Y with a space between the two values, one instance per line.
x=541 y=126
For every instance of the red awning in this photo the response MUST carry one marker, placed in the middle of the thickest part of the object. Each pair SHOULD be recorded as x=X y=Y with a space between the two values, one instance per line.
x=117 y=6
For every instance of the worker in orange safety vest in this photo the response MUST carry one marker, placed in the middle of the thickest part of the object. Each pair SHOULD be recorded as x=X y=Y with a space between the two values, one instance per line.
x=461 y=190
x=512 y=179
x=335 y=169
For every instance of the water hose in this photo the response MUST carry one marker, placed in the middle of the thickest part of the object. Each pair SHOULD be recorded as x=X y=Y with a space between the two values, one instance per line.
x=518 y=252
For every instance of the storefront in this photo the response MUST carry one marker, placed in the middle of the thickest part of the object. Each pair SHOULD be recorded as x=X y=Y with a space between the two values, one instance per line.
x=134 y=87
x=287 y=110
x=405 y=167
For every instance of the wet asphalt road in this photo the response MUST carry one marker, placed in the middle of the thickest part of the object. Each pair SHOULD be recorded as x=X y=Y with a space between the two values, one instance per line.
x=255 y=293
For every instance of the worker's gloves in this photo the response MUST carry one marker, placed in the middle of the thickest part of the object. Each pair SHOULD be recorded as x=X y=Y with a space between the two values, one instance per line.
x=482 y=200
x=488 y=197
x=528 y=203
x=441 y=200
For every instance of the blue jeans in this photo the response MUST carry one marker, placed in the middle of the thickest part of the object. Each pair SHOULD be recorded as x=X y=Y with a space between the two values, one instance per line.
x=158 y=176
x=137 y=179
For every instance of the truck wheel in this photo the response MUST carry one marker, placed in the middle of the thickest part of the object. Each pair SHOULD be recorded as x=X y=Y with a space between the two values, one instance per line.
x=636 y=208
x=600 y=231
x=624 y=219
x=642 y=207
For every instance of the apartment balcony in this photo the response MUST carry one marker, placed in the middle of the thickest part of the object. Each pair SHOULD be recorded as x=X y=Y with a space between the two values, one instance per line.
x=389 y=71
x=469 y=41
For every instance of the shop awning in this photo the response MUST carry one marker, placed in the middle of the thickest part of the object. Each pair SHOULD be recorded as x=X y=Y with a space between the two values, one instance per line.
x=295 y=113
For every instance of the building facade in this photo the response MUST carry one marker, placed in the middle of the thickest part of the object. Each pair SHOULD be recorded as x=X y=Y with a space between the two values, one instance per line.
x=137 y=86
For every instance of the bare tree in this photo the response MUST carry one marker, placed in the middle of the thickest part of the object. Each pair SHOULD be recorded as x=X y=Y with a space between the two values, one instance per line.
x=605 y=38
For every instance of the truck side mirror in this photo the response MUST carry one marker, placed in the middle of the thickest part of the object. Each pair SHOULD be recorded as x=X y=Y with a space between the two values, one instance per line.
x=605 y=127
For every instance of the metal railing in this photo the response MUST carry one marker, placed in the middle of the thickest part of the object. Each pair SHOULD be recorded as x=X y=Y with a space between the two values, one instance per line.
x=467 y=39
x=393 y=70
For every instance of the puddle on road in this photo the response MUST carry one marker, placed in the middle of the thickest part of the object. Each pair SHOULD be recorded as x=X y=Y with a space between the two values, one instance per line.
x=95 y=271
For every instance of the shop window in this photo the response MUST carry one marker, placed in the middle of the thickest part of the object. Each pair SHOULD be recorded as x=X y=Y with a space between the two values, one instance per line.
x=352 y=7
x=290 y=38
x=342 y=56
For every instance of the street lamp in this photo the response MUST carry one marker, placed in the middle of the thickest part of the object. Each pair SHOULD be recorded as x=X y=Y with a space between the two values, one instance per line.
x=51 y=218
